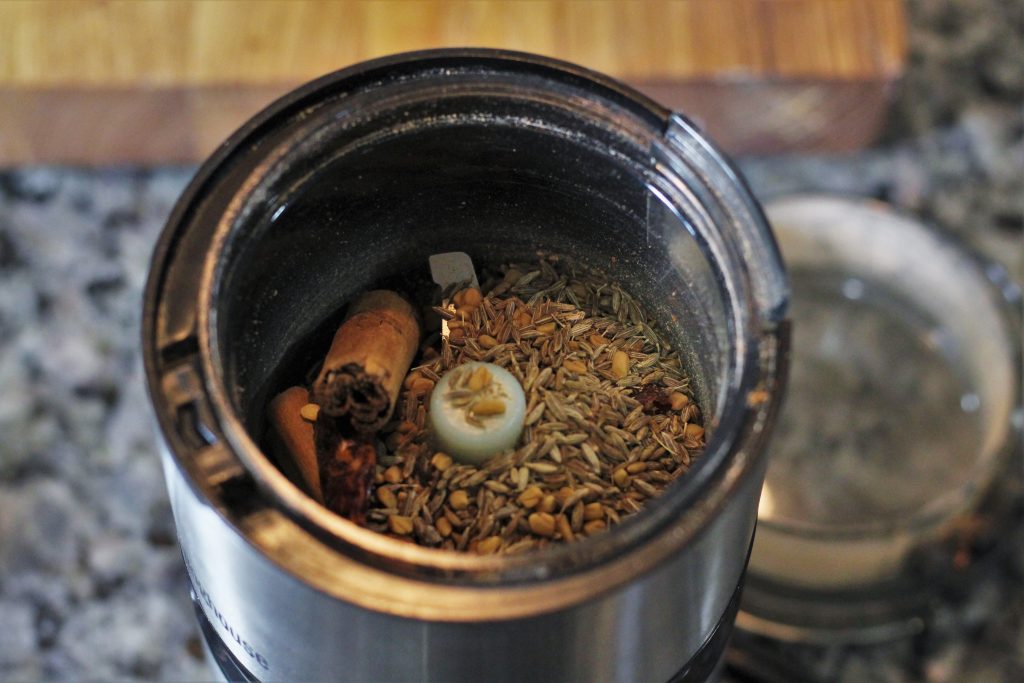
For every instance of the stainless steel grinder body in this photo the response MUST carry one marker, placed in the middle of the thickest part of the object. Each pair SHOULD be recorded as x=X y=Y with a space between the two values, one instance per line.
x=358 y=177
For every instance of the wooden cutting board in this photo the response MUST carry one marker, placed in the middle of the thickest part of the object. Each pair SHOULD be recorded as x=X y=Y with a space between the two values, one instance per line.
x=116 y=81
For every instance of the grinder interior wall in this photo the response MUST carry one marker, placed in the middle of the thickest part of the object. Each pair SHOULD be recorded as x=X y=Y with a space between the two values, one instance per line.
x=498 y=192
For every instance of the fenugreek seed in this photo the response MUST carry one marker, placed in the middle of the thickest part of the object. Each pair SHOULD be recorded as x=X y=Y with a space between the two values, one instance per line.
x=620 y=364
x=692 y=431
x=441 y=461
x=407 y=426
x=443 y=526
x=422 y=385
x=563 y=494
x=410 y=378
x=489 y=545
x=592 y=511
x=547 y=504
x=620 y=477
x=575 y=366
x=546 y=328
x=387 y=498
x=542 y=524
x=471 y=297
x=487 y=407
x=309 y=412
x=531 y=497
x=393 y=474
x=597 y=340
x=480 y=378
x=400 y=524
x=456 y=334
x=678 y=400
x=487 y=341
x=459 y=500
x=594 y=526
x=563 y=527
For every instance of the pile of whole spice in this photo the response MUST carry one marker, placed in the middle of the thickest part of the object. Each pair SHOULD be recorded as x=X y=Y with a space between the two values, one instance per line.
x=609 y=419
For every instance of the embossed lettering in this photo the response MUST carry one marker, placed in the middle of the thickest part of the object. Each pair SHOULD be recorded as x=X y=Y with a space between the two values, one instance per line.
x=208 y=601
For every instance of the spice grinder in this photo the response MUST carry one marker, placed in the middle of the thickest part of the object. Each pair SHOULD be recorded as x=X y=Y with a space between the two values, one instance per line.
x=357 y=179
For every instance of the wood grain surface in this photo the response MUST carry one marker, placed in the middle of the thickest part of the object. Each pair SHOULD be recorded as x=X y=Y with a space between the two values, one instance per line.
x=97 y=81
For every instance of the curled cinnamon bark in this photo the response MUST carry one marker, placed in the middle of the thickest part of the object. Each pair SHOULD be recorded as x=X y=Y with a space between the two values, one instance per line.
x=368 y=359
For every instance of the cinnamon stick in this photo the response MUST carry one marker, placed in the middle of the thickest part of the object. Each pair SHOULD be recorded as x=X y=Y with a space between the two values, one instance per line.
x=368 y=359
x=296 y=435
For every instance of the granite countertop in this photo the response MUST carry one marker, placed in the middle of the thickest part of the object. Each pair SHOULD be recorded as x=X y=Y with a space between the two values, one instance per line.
x=92 y=585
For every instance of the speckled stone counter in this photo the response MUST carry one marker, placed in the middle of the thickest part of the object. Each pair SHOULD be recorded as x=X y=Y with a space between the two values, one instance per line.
x=91 y=580
x=92 y=585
